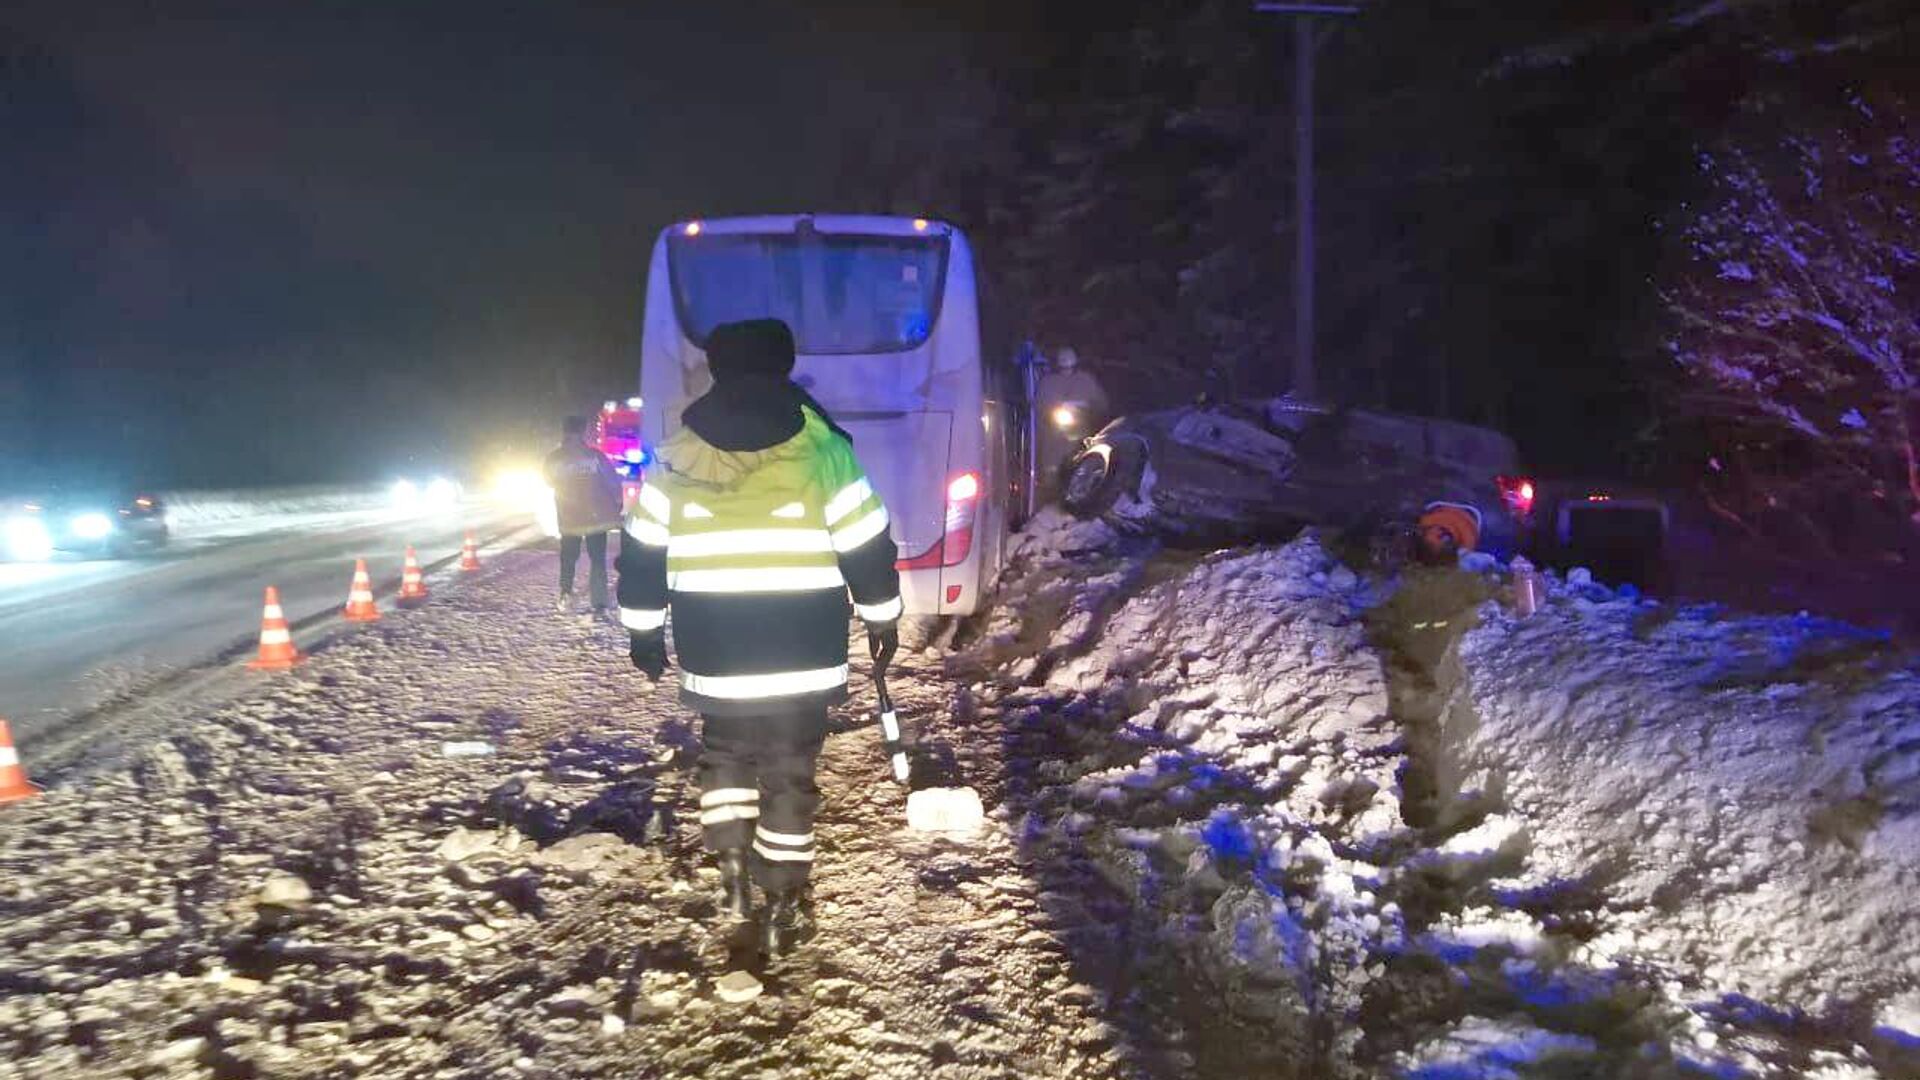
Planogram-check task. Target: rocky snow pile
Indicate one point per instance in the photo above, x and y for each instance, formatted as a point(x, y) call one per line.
point(1639, 822)
point(1744, 792)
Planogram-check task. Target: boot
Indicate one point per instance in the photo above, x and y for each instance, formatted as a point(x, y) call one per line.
point(736, 888)
point(787, 923)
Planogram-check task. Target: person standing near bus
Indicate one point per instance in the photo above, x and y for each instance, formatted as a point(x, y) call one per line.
point(586, 502)
point(1072, 406)
point(754, 526)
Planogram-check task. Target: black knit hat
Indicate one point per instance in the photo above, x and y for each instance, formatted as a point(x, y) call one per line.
point(762, 347)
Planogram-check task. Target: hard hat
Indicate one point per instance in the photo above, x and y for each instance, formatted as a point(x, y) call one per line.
point(1066, 359)
point(1457, 520)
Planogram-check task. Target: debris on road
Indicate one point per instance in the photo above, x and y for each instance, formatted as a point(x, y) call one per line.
point(736, 987)
point(952, 811)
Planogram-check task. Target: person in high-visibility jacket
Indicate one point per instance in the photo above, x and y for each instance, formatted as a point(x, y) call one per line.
point(754, 527)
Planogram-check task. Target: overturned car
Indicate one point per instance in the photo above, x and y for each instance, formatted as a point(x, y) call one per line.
point(1231, 472)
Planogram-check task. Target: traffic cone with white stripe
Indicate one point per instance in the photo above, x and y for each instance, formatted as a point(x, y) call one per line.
point(360, 605)
point(276, 640)
point(413, 587)
point(13, 779)
point(469, 555)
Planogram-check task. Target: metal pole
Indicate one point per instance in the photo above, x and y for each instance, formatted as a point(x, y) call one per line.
point(1304, 385)
point(1030, 497)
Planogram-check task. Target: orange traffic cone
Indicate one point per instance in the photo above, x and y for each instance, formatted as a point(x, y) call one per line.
point(413, 588)
point(469, 556)
point(276, 641)
point(13, 779)
point(360, 605)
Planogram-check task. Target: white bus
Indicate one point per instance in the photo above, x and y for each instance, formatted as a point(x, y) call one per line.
point(887, 327)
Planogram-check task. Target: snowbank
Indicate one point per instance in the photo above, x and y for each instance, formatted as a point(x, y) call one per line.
point(1237, 759)
point(1745, 792)
point(1643, 840)
point(212, 513)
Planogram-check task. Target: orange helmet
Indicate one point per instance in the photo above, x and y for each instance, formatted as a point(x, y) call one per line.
point(1459, 522)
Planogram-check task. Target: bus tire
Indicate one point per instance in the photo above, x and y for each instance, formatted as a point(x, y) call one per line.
point(1095, 478)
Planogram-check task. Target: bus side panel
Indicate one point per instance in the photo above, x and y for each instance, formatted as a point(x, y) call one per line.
point(673, 371)
point(903, 456)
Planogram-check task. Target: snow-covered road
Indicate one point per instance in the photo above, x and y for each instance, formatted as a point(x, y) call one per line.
point(1248, 816)
point(77, 637)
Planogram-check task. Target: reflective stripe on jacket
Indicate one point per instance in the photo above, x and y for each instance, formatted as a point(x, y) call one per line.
point(756, 552)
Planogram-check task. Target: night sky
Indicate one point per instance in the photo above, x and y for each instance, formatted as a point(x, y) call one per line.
point(318, 241)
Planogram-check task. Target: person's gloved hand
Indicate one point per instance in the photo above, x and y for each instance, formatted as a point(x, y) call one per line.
point(648, 651)
point(883, 637)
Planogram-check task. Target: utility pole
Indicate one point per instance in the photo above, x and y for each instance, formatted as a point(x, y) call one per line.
point(1305, 385)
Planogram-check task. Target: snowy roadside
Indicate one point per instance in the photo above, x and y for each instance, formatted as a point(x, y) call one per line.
point(210, 510)
point(199, 517)
point(1744, 792)
point(1235, 742)
point(299, 883)
point(1248, 816)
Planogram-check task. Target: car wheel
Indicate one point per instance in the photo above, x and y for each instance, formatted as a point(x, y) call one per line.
point(1096, 478)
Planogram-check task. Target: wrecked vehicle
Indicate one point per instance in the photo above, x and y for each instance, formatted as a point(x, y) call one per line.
point(1617, 530)
point(1261, 470)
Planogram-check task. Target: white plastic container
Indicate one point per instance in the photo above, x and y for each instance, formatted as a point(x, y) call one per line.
point(1528, 589)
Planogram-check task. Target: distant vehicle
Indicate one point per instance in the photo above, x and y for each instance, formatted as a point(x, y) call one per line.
point(432, 493)
point(1263, 469)
point(885, 318)
point(94, 524)
point(1618, 531)
point(616, 431)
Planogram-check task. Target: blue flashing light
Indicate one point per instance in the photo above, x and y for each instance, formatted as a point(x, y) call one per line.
point(636, 455)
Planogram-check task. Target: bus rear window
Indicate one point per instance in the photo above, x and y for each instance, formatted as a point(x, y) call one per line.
point(840, 294)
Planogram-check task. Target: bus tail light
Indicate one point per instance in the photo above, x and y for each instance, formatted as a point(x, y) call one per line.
point(956, 542)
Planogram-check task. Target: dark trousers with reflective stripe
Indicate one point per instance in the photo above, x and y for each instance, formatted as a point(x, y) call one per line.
point(757, 789)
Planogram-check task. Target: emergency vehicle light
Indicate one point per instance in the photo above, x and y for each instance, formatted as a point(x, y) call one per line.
point(1518, 491)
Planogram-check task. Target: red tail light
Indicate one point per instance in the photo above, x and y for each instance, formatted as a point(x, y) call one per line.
point(952, 549)
point(1518, 491)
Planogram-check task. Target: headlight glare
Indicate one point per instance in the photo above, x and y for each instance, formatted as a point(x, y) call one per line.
point(26, 539)
point(92, 526)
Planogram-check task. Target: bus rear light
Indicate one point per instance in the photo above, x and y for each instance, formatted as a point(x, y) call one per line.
point(926, 560)
point(956, 542)
point(963, 498)
point(953, 594)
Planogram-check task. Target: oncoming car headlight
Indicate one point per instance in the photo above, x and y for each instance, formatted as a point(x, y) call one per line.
point(26, 539)
point(94, 526)
point(1064, 417)
point(442, 493)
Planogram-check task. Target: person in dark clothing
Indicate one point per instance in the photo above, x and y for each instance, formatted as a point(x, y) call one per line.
point(586, 497)
point(756, 526)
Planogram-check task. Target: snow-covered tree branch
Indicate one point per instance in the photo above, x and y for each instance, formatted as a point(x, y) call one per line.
point(1795, 318)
